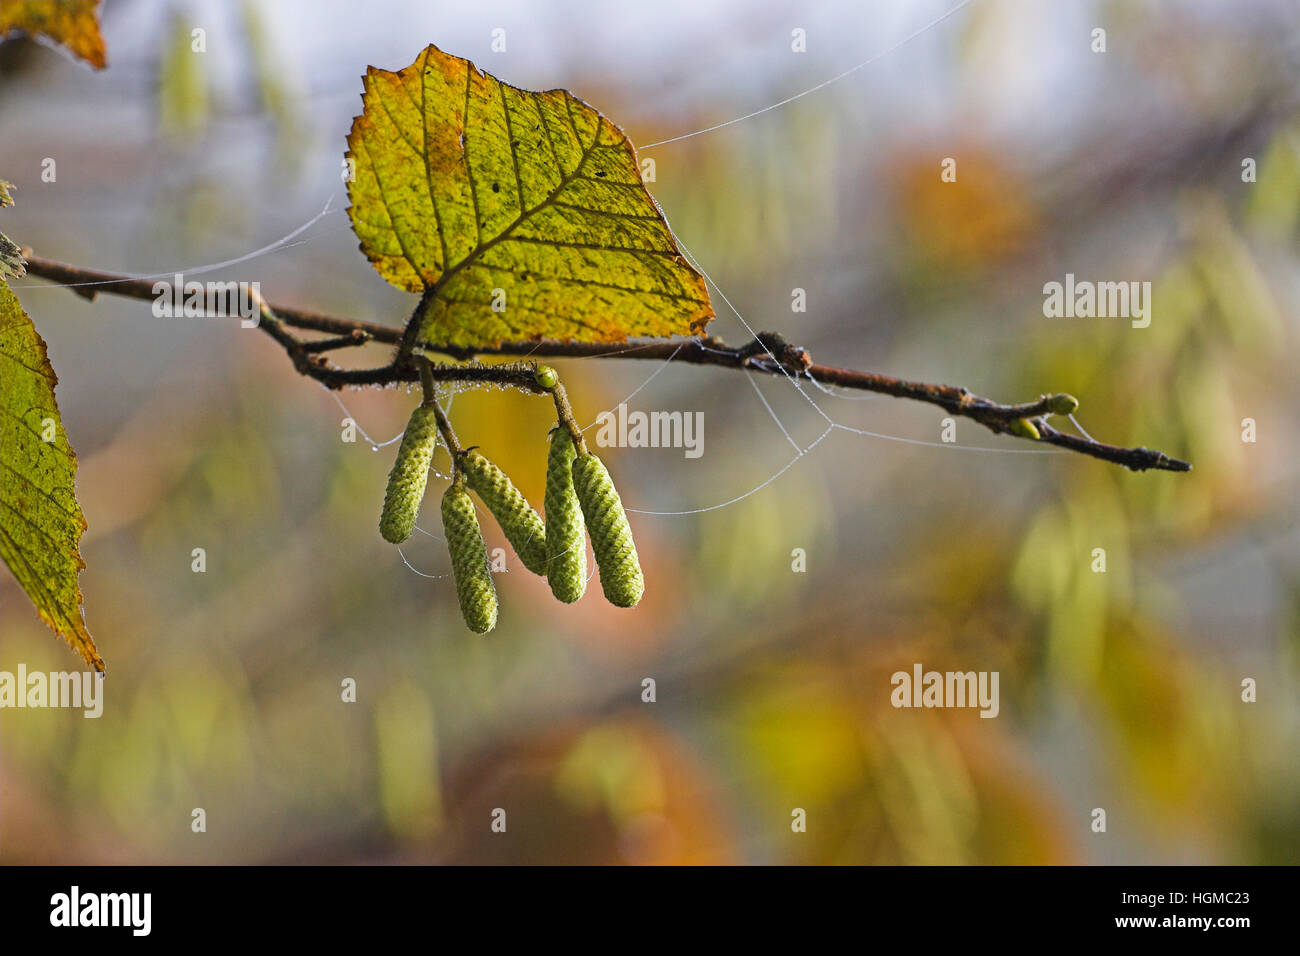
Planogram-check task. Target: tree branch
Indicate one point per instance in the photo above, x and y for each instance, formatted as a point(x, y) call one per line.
point(768, 353)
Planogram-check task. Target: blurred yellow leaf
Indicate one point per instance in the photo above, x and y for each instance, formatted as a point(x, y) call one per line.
point(977, 219)
point(182, 89)
point(72, 23)
point(406, 752)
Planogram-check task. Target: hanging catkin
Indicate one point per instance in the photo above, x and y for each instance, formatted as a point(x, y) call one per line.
point(611, 535)
point(409, 476)
point(469, 560)
point(566, 551)
point(522, 525)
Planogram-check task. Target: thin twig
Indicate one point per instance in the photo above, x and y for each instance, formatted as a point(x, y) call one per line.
point(355, 338)
point(454, 447)
point(427, 382)
point(565, 412)
point(429, 387)
point(769, 353)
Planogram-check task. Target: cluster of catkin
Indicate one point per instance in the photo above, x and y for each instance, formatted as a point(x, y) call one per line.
point(580, 500)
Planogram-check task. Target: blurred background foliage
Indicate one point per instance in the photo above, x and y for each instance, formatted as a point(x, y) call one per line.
point(1118, 690)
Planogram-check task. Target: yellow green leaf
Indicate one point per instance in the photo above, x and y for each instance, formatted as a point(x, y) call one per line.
point(72, 23)
point(12, 265)
point(40, 520)
point(519, 215)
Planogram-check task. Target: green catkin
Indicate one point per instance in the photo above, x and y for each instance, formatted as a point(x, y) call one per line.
point(469, 560)
point(566, 550)
point(409, 476)
point(522, 525)
point(611, 535)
